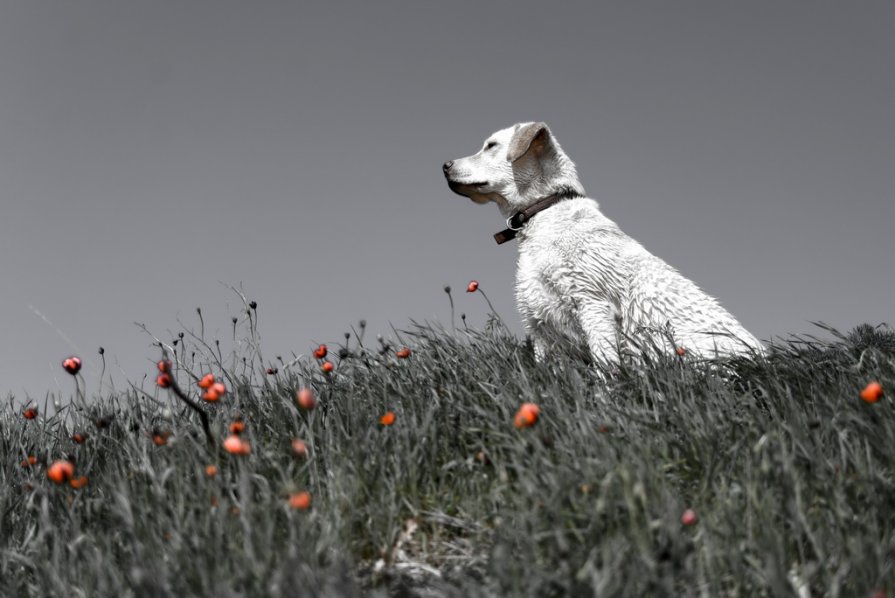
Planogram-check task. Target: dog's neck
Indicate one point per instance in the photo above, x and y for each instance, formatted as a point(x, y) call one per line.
point(523, 216)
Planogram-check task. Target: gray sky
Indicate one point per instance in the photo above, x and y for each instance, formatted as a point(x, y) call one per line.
point(153, 153)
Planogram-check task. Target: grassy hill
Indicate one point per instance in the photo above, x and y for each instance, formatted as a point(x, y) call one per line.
point(787, 472)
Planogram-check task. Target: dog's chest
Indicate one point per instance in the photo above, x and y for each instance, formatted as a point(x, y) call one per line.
point(567, 255)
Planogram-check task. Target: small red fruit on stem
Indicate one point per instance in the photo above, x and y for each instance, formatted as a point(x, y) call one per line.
point(472, 287)
point(402, 353)
point(320, 352)
point(387, 419)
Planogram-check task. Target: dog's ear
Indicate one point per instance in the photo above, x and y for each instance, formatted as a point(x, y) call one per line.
point(531, 137)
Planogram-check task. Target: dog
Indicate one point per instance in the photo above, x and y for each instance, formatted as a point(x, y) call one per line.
point(581, 283)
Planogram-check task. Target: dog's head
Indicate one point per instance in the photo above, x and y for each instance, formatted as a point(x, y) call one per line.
point(516, 167)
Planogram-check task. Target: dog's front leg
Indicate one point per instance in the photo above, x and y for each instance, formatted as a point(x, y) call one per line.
point(598, 319)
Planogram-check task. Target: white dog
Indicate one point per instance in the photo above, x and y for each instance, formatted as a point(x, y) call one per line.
point(580, 281)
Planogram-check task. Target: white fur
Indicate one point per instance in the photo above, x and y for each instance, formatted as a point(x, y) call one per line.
point(580, 281)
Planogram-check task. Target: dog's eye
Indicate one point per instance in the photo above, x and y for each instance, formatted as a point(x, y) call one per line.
point(490, 145)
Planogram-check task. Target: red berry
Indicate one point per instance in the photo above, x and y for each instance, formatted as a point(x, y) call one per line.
point(29, 413)
point(681, 351)
point(402, 353)
point(327, 366)
point(688, 517)
point(472, 287)
point(206, 381)
point(320, 352)
point(164, 366)
point(163, 380)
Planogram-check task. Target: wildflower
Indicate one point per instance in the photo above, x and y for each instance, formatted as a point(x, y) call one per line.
point(300, 501)
point(160, 437)
point(79, 438)
point(402, 353)
point(320, 352)
point(163, 380)
point(327, 366)
point(72, 365)
point(215, 392)
point(387, 419)
point(873, 392)
point(472, 287)
point(211, 470)
point(30, 413)
point(237, 446)
point(78, 483)
point(61, 471)
point(30, 461)
point(305, 399)
point(688, 517)
point(527, 415)
point(206, 381)
point(299, 448)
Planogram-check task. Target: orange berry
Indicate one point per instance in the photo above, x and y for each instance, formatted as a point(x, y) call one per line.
point(211, 470)
point(219, 388)
point(163, 380)
point(30, 413)
point(327, 366)
point(164, 366)
point(872, 392)
point(31, 460)
point(402, 353)
point(387, 419)
point(527, 415)
point(72, 365)
point(305, 398)
point(211, 395)
point(472, 287)
point(237, 427)
point(688, 517)
point(206, 381)
point(320, 352)
point(78, 483)
point(237, 446)
point(300, 501)
point(79, 438)
point(61, 471)
point(299, 448)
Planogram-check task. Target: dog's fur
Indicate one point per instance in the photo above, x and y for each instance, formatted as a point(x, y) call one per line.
point(580, 281)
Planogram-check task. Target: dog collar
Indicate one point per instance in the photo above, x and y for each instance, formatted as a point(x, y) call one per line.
point(520, 218)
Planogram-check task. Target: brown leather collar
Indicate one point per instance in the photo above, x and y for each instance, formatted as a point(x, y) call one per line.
point(517, 220)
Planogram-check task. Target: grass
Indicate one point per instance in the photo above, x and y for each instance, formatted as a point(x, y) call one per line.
point(789, 472)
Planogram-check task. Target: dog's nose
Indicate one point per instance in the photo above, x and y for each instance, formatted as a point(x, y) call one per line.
point(447, 166)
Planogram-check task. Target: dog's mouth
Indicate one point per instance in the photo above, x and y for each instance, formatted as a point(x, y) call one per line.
point(461, 187)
